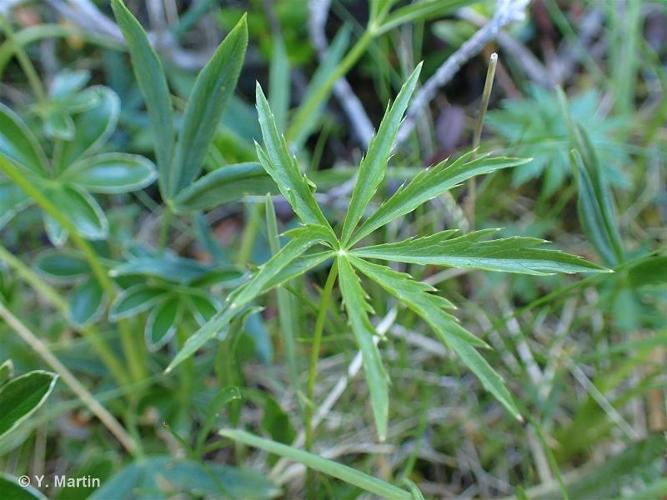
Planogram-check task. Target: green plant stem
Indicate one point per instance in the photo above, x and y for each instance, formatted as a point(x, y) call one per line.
point(71, 381)
point(186, 377)
point(24, 61)
point(132, 354)
point(325, 300)
point(167, 217)
point(471, 200)
point(105, 353)
point(250, 234)
point(308, 108)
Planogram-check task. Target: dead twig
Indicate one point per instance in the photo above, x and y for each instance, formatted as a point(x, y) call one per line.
point(507, 12)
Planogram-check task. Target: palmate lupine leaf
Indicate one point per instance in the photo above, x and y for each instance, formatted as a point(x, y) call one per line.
point(430, 183)
point(357, 307)
point(374, 165)
point(513, 255)
point(302, 239)
point(284, 169)
point(418, 297)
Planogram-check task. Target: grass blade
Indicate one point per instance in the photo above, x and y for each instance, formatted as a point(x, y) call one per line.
point(374, 165)
point(329, 467)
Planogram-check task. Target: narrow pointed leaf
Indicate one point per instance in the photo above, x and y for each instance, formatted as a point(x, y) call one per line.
point(429, 184)
point(491, 380)
point(228, 183)
point(284, 169)
point(374, 165)
point(595, 204)
point(418, 296)
point(334, 469)
point(309, 112)
point(213, 88)
point(19, 144)
point(302, 239)
point(279, 81)
point(112, 173)
point(514, 255)
point(153, 85)
point(357, 307)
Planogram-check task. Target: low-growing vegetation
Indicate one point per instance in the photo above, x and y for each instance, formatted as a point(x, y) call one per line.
point(391, 250)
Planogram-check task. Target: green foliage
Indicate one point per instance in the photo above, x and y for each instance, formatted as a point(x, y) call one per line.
point(76, 169)
point(512, 254)
point(535, 128)
point(20, 397)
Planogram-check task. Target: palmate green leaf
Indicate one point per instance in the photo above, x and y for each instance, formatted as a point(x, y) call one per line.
point(513, 255)
point(214, 86)
point(374, 165)
point(302, 239)
point(112, 173)
point(228, 183)
point(418, 296)
point(351, 476)
point(431, 183)
point(21, 396)
point(357, 307)
point(284, 169)
point(18, 144)
point(491, 380)
point(153, 85)
point(93, 127)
